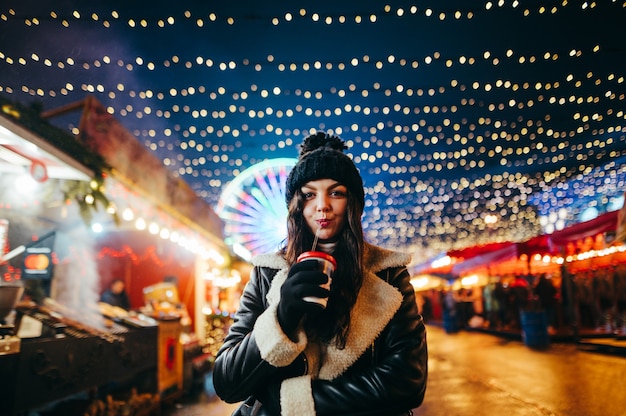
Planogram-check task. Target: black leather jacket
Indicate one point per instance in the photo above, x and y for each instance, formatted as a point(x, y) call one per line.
point(382, 370)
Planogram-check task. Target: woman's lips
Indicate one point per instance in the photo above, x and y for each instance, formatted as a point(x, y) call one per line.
point(323, 223)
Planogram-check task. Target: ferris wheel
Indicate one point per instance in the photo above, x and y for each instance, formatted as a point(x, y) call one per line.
point(253, 208)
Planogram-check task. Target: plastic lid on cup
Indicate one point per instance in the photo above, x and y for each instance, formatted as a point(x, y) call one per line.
point(317, 254)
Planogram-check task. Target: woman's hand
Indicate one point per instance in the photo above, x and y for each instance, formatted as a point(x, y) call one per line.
point(303, 280)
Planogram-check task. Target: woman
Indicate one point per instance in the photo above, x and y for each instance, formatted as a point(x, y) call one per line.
point(362, 354)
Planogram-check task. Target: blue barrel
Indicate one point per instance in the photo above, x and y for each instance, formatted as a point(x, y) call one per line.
point(535, 329)
point(450, 323)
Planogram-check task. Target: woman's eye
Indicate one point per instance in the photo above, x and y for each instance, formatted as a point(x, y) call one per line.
point(338, 193)
point(308, 195)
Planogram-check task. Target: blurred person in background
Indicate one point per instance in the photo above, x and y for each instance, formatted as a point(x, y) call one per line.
point(115, 295)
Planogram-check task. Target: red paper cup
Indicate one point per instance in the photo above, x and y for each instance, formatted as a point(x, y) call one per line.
point(326, 264)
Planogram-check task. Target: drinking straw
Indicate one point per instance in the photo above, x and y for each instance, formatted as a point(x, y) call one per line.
point(315, 239)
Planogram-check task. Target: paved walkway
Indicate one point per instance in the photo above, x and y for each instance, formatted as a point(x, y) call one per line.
point(476, 374)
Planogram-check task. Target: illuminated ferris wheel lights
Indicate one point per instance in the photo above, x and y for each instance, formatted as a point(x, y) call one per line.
point(261, 198)
point(234, 188)
point(254, 204)
point(242, 252)
point(270, 229)
point(253, 207)
point(256, 241)
point(232, 216)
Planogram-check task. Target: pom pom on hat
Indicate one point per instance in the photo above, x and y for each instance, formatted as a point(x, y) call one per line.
point(321, 157)
point(321, 140)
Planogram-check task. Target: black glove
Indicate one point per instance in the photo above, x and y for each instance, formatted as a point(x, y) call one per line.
point(304, 279)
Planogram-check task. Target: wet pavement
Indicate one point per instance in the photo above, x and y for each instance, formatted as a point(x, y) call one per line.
point(473, 373)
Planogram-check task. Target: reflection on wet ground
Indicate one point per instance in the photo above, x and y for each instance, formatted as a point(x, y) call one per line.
point(472, 373)
point(479, 374)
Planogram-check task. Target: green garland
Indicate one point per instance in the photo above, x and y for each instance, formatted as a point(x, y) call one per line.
point(89, 195)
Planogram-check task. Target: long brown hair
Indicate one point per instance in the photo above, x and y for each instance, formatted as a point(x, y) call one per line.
point(347, 280)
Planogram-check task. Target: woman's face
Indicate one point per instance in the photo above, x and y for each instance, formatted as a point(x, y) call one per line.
point(325, 206)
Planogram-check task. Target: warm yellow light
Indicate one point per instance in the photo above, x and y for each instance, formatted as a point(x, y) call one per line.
point(140, 224)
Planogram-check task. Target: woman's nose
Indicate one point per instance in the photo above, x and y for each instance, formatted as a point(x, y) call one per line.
point(322, 203)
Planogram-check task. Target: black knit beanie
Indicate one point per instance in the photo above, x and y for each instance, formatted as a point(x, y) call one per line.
point(321, 157)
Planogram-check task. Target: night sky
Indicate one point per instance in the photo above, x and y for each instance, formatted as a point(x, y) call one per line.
point(510, 109)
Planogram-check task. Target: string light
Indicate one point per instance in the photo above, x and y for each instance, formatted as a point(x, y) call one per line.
point(453, 134)
point(290, 17)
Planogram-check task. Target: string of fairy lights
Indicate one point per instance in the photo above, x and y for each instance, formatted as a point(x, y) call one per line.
point(235, 133)
point(346, 93)
point(291, 17)
point(270, 62)
point(444, 136)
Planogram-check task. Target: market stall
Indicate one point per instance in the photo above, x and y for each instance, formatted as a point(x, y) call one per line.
point(583, 263)
point(590, 244)
point(77, 213)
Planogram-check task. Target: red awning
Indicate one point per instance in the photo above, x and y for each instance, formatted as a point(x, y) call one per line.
point(495, 256)
point(536, 245)
point(474, 257)
point(491, 254)
point(474, 251)
point(600, 224)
